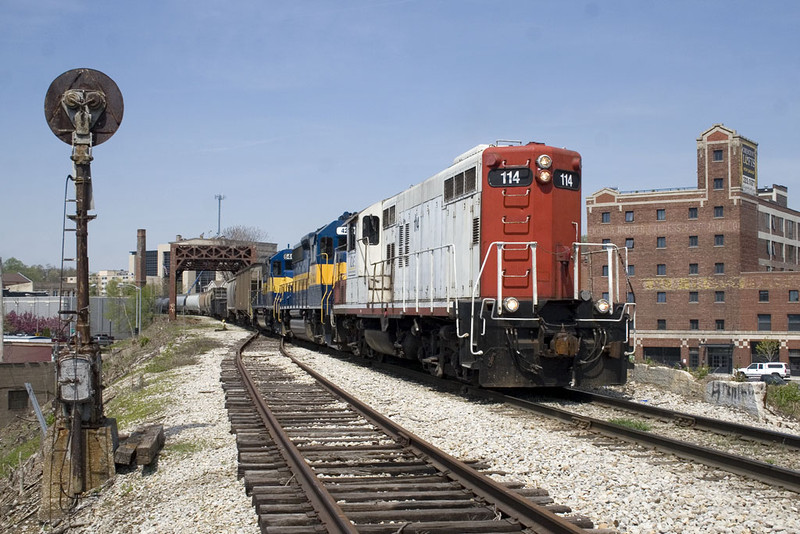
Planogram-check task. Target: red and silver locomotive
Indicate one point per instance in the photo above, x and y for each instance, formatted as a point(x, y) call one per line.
point(475, 272)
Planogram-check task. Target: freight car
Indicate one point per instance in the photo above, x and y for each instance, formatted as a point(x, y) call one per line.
point(474, 273)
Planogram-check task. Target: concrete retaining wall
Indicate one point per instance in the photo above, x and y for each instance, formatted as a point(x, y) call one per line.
point(675, 380)
point(745, 396)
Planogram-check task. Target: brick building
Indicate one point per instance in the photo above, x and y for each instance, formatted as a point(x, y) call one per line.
point(713, 269)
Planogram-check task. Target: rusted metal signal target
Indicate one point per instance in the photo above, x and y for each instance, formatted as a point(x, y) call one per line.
point(79, 90)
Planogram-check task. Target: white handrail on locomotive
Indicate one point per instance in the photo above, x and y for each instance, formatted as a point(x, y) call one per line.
point(500, 245)
point(629, 308)
point(451, 260)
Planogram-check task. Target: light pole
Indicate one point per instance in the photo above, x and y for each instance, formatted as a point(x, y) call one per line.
point(219, 198)
point(138, 306)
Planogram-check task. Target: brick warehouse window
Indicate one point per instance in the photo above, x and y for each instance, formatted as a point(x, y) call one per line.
point(661, 296)
point(628, 216)
point(719, 296)
point(661, 324)
point(718, 183)
point(628, 242)
point(719, 268)
point(694, 324)
point(719, 240)
point(605, 217)
point(763, 295)
point(605, 270)
point(661, 242)
point(692, 213)
point(661, 215)
point(18, 400)
point(793, 322)
point(717, 155)
point(661, 269)
point(764, 322)
point(694, 296)
point(719, 212)
point(720, 324)
point(693, 241)
point(794, 295)
point(631, 270)
point(693, 269)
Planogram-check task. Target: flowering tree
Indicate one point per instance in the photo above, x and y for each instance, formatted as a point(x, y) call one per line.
point(30, 324)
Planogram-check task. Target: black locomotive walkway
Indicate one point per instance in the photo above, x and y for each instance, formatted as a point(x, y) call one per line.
point(376, 483)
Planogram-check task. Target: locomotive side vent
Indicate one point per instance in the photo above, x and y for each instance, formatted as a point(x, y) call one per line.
point(476, 230)
point(460, 185)
point(388, 217)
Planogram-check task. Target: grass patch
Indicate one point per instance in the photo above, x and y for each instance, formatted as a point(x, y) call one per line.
point(23, 451)
point(139, 404)
point(185, 448)
point(785, 399)
point(180, 354)
point(631, 423)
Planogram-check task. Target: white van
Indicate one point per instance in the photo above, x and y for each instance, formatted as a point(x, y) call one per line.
point(755, 371)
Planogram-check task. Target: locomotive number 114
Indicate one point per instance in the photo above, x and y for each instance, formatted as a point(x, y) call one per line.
point(510, 177)
point(567, 180)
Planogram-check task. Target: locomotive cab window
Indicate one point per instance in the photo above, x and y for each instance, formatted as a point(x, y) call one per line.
point(297, 255)
point(370, 230)
point(277, 268)
point(326, 249)
point(351, 235)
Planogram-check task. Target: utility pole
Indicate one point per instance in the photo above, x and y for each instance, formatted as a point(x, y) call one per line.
point(83, 108)
point(219, 198)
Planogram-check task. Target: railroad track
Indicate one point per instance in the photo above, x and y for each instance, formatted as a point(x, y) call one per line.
point(683, 419)
point(754, 469)
point(315, 459)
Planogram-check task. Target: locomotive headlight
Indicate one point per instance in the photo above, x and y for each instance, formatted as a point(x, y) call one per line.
point(544, 161)
point(511, 304)
point(544, 177)
point(602, 306)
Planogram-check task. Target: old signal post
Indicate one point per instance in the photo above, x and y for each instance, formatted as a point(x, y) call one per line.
point(83, 108)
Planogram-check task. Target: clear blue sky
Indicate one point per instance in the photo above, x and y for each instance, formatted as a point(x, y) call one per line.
point(299, 110)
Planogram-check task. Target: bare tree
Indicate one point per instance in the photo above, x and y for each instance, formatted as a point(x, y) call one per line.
point(240, 232)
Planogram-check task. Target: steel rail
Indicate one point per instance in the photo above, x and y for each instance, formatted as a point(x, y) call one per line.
point(740, 465)
point(699, 421)
point(330, 514)
point(532, 516)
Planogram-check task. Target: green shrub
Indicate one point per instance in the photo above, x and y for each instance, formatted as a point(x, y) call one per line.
point(785, 399)
point(700, 372)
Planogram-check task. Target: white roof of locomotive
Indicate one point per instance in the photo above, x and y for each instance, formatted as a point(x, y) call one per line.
point(471, 152)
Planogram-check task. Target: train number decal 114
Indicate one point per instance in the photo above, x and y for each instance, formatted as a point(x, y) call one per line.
point(510, 177)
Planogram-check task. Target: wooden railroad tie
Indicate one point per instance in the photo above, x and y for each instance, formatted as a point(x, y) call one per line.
point(142, 446)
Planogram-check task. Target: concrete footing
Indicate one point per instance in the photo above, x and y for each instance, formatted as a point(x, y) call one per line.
point(59, 487)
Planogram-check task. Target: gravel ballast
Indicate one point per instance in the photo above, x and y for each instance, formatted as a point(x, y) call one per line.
point(194, 487)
